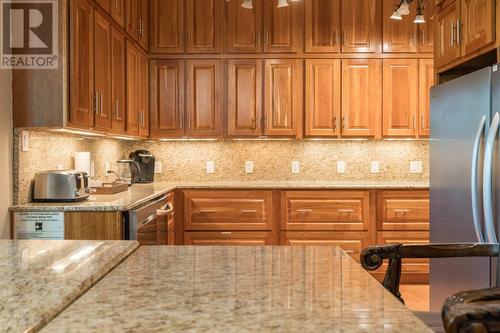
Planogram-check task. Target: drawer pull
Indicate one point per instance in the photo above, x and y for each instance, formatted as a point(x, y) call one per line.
point(206, 211)
point(226, 233)
point(347, 211)
point(402, 211)
point(304, 210)
point(248, 211)
point(349, 251)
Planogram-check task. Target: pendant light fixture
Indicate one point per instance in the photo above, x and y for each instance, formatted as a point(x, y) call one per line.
point(396, 15)
point(247, 4)
point(403, 9)
point(419, 19)
point(283, 3)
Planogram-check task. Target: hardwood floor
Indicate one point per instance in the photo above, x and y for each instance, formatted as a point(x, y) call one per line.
point(416, 296)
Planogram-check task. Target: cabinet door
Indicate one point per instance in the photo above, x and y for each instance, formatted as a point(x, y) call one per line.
point(399, 35)
point(244, 104)
point(118, 69)
point(244, 27)
point(361, 97)
point(280, 27)
point(477, 24)
point(204, 22)
point(132, 24)
point(204, 100)
point(426, 81)
point(105, 4)
point(102, 71)
point(323, 97)
point(132, 89)
point(143, 75)
point(361, 27)
point(82, 65)
point(167, 98)
point(283, 97)
point(322, 26)
point(229, 238)
point(167, 26)
point(400, 97)
point(403, 210)
point(448, 49)
point(144, 23)
point(426, 30)
point(118, 11)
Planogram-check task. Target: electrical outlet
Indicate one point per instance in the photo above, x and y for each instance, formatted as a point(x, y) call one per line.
point(25, 141)
point(340, 166)
point(295, 167)
point(375, 167)
point(249, 166)
point(416, 167)
point(210, 167)
point(158, 167)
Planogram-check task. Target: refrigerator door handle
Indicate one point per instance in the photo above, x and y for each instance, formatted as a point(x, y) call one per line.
point(476, 213)
point(488, 180)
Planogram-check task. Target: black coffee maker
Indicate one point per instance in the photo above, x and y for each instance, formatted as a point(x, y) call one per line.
point(147, 166)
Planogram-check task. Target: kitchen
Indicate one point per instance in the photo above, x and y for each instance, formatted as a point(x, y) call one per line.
point(290, 131)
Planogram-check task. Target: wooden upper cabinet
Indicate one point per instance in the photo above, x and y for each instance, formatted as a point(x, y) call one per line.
point(426, 81)
point(323, 100)
point(102, 72)
point(448, 49)
point(137, 21)
point(399, 35)
point(244, 27)
point(204, 98)
point(82, 64)
point(133, 117)
point(426, 30)
point(167, 26)
point(361, 97)
point(322, 26)
point(244, 104)
point(361, 27)
point(204, 24)
point(283, 97)
point(118, 11)
point(477, 25)
point(167, 98)
point(143, 75)
point(118, 69)
point(280, 27)
point(400, 97)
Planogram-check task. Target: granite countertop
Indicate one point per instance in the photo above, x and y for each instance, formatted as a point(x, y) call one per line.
point(237, 289)
point(137, 194)
point(38, 278)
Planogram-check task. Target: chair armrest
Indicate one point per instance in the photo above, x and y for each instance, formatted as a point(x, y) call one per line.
point(372, 257)
point(473, 311)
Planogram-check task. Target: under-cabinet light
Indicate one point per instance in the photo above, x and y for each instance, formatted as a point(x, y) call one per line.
point(78, 132)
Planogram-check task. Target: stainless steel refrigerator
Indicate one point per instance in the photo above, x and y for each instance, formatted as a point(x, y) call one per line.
point(464, 179)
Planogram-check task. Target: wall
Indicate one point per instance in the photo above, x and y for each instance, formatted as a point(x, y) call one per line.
point(6, 149)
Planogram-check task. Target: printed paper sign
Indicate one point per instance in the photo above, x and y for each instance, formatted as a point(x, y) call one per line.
point(39, 225)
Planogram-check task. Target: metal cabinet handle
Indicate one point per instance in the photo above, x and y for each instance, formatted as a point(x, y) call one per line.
point(345, 211)
point(343, 122)
point(414, 122)
point(422, 121)
point(117, 109)
point(349, 251)
point(334, 122)
point(100, 108)
point(206, 211)
point(452, 34)
point(404, 211)
point(488, 178)
point(166, 210)
point(476, 214)
point(458, 32)
point(150, 219)
point(96, 103)
point(248, 211)
point(305, 210)
point(226, 233)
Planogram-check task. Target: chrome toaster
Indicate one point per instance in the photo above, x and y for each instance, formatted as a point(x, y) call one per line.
point(60, 186)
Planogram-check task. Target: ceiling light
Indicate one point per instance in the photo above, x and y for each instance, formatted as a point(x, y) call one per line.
point(283, 3)
point(396, 15)
point(419, 19)
point(247, 4)
point(404, 8)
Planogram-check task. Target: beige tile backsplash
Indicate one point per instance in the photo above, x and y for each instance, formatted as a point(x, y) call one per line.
point(186, 161)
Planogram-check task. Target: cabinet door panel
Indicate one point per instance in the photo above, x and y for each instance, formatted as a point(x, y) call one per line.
point(204, 19)
point(132, 12)
point(399, 36)
point(361, 25)
point(118, 69)
point(400, 97)
point(403, 210)
point(361, 97)
point(143, 74)
point(167, 26)
point(426, 30)
point(204, 103)
point(244, 97)
point(82, 65)
point(244, 27)
point(477, 24)
point(283, 101)
point(102, 71)
point(132, 89)
point(322, 26)
point(323, 97)
point(229, 238)
point(167, 98)
point(448, 49)
point(118, 11)
point(280, 28)
point(426, 81)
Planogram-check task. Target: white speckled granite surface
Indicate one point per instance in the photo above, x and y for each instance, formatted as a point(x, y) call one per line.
point(237, 289)
point(38, 279)
point(140, 193)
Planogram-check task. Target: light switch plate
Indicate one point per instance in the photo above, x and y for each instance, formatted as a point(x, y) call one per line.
point(158, 167)
point(416, 167)
point(295, 167)
point(340, 166)
point(249, 166)
point(25, 139)
point(210, 167)
point(375, 167)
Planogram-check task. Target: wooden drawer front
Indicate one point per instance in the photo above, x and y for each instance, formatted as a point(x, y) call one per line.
point(351, 242)
point(404, 210)
point(228, 210)
point(246, 238)
point(339, 210)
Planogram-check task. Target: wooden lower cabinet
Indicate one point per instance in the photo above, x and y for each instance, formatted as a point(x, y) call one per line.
point(249, 238)
point(93, 225)
point(403, 211)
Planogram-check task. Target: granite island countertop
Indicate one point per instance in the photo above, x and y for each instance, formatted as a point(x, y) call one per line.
point(138, 194)
point(237, 289)
point(40, 278)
